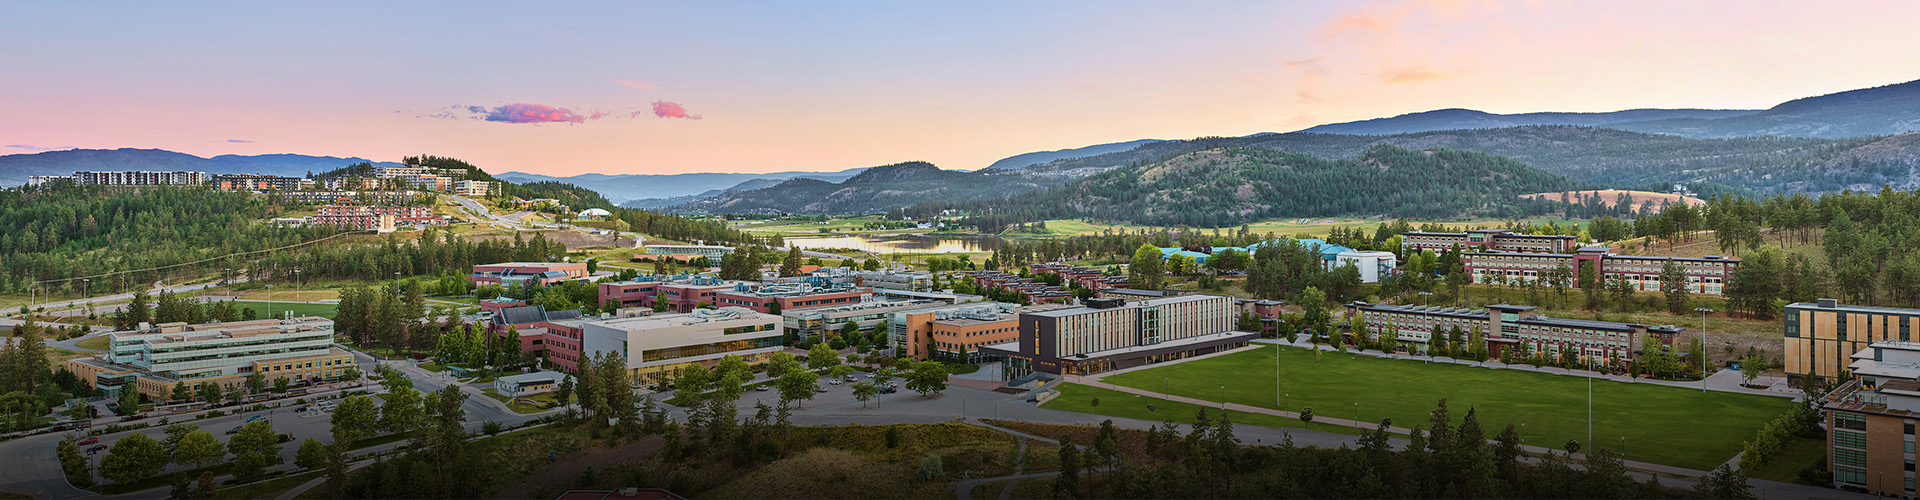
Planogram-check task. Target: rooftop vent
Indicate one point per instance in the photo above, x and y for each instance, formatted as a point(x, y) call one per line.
point(1827, 303)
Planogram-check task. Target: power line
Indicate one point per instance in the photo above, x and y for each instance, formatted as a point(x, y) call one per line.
point(227, 256)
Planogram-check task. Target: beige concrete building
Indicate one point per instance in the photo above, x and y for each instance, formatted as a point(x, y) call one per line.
point(156, 358)
point(657, 346)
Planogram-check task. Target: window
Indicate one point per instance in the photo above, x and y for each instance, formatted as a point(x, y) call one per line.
point(1909, 428)
point(1855, 458)
point(1857, 440)
point(1850, 421)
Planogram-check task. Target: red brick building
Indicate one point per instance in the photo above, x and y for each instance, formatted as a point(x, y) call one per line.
point(507, 273)
point(686, 294)
point(1498, 240)
point(1705, 275)
point(543, 333)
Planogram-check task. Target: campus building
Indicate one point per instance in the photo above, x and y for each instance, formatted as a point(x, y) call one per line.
point(1822, 335)
point(656, 346)
point(1520, 329)
point(543, 333)
point(153, 359)
point(1088, 278)
point(682, 293)
point(256, 182)
point(946, 331)
point(528, 384)
point(1497, 240)
point(714, 253)
point(124, 178)
point(819, 323)
point(1705, 275)
point(916, 281)
point(512, 273)
point(1109, 334)
point(1035, 290)
point(1870, 420)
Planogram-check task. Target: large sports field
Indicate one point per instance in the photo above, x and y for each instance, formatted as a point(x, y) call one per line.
point(1661, 424)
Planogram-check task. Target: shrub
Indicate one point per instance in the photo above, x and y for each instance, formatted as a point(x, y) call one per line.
point(930, 468)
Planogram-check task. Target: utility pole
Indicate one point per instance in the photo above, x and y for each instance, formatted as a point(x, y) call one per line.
point(1703, 347)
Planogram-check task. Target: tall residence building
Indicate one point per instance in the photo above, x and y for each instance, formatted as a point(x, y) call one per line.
point(946, 331)
point(512, 273)
point(1509, 327)
point(1497, 240)
point(1705, 275)
point(1870, 420)
point(1821, 335)
point(1109, 334)
point(376, 217)
point(125, 178)
point(472, 188)
point(255, 182)
point(153, 359)
point(657, 346)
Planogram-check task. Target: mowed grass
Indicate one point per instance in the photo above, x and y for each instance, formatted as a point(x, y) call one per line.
point(1661, 424)
point(1079, 398)
point(279, 308)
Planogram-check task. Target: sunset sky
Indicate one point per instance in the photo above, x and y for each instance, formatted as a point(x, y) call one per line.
point(776, 86)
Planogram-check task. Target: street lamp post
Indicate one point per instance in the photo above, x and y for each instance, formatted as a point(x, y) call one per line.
point(296, 285)
point(226, 277)
point(269, 301)
point(1703, 347)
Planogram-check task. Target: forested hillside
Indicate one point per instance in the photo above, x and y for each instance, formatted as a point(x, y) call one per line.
point(1230, 186)
point(877, 189)
point(1609, 157)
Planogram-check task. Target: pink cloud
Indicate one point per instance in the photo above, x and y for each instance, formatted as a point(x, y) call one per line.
point(1413, 75)
point(533, 113)
point(239, 141)
point(30, 147)
point(670, 109)
point(642, 85)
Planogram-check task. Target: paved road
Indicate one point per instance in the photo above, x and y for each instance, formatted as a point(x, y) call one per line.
point(70, 304)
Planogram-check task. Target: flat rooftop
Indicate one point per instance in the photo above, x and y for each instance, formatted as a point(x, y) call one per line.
point(1071, 311)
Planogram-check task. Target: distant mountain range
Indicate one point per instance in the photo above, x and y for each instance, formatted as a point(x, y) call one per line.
point(876, 189)
point(14, 169)
point(1025, 160)
point(1457, 119)
point(624, 187)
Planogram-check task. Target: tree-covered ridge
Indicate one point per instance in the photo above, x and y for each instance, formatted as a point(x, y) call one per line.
point(63, 231)
point(1617, 158)
point(1229, 186)
point(878, 189)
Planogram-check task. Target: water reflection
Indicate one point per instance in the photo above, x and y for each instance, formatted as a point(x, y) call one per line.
point(902, 244)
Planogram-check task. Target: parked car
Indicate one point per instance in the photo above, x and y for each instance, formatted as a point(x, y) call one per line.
point(763, 388)
point(96, 449)
point(889, 389)
point(300, 408)
point(833, 381)
point(255, 417)
point(88, 441)
point(820, 389)
point(235, 430)
point(133, 417)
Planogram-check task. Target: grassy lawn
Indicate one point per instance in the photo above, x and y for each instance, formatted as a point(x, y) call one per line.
point(1076, 397)
point(97, 343)
point(433, 367)
point(518, 406)
point(266, 489)
point(1660, 424)
point(158, 481)
point(260, 308)
point(1799, 453)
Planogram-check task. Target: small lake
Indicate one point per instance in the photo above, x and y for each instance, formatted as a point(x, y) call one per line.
point(902, 244)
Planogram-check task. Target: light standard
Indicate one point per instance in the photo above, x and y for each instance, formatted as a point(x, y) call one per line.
point(296, 285)
point(269, 301)
point(86, 286)
point(226, 277)
point(1703, 346)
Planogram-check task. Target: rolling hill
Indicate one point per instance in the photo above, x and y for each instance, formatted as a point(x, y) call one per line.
point(1025, 160)
point(623, 187)
point(876, 189)
point(1886, 110)
point(1457, 119)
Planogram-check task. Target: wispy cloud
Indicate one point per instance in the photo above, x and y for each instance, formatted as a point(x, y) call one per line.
point(670, 109)
point(1412, 75)
point(639, 84)
point(239, 141)
point(533, 113)
point(30, 147)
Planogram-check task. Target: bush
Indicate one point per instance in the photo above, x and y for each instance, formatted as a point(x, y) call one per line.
point(491, 427)
point(930, 468)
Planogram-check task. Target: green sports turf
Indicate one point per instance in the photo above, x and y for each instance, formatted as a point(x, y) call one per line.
point(1661, 424)
point(1076, 397)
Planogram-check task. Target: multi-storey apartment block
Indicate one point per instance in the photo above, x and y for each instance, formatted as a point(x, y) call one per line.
point(1822, 335)
point(1705, 275)
point(1509, 327)
point(1870, 420)
point(253, 182)
point(364, 197)
point(125, 178)
point(366, 217)
point(1498, 240)
point(1108, 335)
point(153, 359)
point(472, 188)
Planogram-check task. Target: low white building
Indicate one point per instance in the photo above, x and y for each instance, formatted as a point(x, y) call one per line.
point(657, 346)
point(528, 384)
point(1373, 265)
